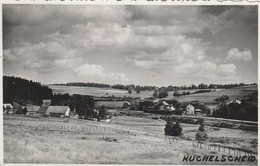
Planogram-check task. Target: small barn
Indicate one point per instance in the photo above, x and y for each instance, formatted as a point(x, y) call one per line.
point(58, 111)
point(189, 109)
point(32, 109)
point(43, 109)
point(8, 108)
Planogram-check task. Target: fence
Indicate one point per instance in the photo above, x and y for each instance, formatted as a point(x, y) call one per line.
point(223, 149)
point(213, 147)
point(65, 127)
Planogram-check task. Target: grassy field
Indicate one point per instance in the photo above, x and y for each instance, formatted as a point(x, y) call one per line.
point(98, 92)
point(126, 140)
point(201, 97)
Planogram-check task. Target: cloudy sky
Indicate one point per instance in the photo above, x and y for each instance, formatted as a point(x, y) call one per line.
point(145, 45)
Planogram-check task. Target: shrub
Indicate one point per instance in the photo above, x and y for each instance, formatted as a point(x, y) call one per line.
point(201, 136)
point(172, 129)
point(200, 121)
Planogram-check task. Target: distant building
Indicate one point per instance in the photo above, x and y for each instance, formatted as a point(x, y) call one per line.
point(32, 109)
point(162, 106)
point(43, 109)
point(58, 111)
point(8, 108)
point(18, 109)
point(235, 101)
point(198, 111)
point(189, 109)
point(46, 102)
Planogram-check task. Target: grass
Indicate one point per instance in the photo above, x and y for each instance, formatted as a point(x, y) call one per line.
point(34, 144)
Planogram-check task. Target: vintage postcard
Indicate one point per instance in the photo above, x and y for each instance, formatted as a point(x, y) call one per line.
point(127, 84)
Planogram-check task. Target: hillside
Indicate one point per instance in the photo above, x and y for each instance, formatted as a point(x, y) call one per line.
point(233, 93)
point(22, 90)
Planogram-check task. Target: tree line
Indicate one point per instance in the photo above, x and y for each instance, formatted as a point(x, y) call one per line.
point(139, 88)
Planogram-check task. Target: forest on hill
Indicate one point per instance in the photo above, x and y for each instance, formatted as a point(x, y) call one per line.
point(24, 91)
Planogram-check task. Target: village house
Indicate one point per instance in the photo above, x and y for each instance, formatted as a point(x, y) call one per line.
point(18, 109)
point(190, 109)
point(32, 109)
point(58, 111)
point(8, 108)
point(43, 109)
point(162, 106)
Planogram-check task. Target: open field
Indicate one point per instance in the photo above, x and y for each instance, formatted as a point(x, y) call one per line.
point(126, 140)
point(201, 97)
point(98, 92)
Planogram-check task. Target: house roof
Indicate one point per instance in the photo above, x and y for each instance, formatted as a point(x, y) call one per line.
point(236, 101)
point(43, 109)
point(32, 108)
point(7, 106)
point(162, 102)
point(57, 109)
point(197, 110)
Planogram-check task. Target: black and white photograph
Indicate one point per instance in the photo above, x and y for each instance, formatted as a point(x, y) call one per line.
point(130, 84)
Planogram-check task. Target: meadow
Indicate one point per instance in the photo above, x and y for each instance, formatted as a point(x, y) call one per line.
point(126, 140)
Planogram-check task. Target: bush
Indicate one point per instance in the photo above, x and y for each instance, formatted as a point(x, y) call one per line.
point(201, 136)
point(200, 121)
point(172, 129)
point(201, 128)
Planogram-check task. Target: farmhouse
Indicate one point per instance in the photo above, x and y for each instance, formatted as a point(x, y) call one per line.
point(189, 109)
point(32, 109)
point(43, 109)
point(8, 108)
point(58, 111)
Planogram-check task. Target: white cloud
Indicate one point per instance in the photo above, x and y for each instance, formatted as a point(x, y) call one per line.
point(227, 69)
point(235, 55)
point(99, 73)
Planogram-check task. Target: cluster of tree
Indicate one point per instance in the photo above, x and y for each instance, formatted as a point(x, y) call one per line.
point(88, 84)
point(247, 110)
point(201, 135)
point(171, 128)
point(82, 104)
point(222, 98)
point(203, 91)
point(177, 94)
point(23, 91)
point(160, 93)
